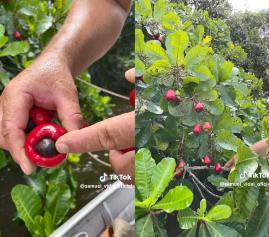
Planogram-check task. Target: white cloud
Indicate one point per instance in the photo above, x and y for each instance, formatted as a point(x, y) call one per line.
point(249, 5)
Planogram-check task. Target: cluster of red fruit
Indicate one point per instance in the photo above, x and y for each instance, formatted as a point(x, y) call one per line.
point(170, 95)
point(207, 161)
point(198, 128)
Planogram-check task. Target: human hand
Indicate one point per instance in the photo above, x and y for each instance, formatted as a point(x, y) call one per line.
point(230, 163)
point(260, 148)
point(113, 134)
point(47, 83)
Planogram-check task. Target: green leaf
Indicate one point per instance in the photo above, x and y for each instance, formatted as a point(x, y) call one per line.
point(159, 9)
point(245, 166)
point(215, 107)
point(43, 24)
point(15, 48)
point(73, 158)
point(189, 79)
point(176, 43)
point(217, 180)
point(219, 212)
point(203, 231)
point(187, 219)
point(159, 67)
point(186, 25)
point(159, 226)
point(4, 77)
point(202, 209)
point(226, 71)
point(39, 229)
point(233, 124)
point(144, 165)
point(227, 140)
point(139, 41)
point(162, 174)
point(142, 135)
point(219, 230)
point(210, 95)
point(143, 8)
point(258, 224)
point(139, 68)
point(246, 200)
point(2, 29)
point(199, 32)
point(154, 51)
point(203, 73)
point(3, 40)
point(176, 199)
point(144, 227)
point(27, 10)
point(58, 176)
point(196, 55)
point(185, 111)
point(152, 107)
point(58, 200)
point(170, 21)
point(4, 159)
point(189, 233)
point(28, 204)
point(38, 183)
point(48, 223)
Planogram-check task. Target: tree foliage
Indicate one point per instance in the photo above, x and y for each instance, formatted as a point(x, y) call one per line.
point(176, 52)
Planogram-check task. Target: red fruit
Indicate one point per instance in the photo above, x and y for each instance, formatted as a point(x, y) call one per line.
point(197, 129)
point(199, 107)
point(41, 138)
point(17, 35)
point(39, 115)
point(180, 169)
point(218, 168)
point(170, 95)
point(127, 149)
point(207, 161)
point(132, 98)
point(207, 126)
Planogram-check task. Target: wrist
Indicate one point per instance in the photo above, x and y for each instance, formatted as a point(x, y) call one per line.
point(51, 63)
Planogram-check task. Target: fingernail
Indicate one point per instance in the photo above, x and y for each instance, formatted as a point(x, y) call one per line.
point(25, 169)
point(62, 148)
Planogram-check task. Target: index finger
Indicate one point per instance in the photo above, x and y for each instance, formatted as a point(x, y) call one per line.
point(130, 75)
point(113, 133)
point(16, 107)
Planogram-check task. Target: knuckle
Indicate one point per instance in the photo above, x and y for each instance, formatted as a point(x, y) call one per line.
point(106, 139)
point(7, 127)
point(65, 86)
point(76, 116)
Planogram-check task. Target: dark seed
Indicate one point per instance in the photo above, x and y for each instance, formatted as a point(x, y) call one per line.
point(30, 126)
point(46, 147)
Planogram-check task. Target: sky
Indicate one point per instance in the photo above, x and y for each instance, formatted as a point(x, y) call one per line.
point(249, 5)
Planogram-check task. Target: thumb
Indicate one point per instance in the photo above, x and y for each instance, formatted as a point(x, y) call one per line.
point(113, 133)
point(68, 110)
